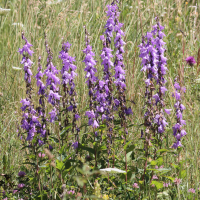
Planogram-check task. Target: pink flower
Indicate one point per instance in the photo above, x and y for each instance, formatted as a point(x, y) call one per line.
point(71, 192)
point(155, 177)
point(177, 181)
point(191, 190)
point(135, 185)
point(41, 155)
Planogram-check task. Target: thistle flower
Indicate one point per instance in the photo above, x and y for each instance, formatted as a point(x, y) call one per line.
point(21, 174)
point(178, 130)
point(190, 61)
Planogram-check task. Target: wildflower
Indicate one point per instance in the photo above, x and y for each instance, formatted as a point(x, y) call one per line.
point(178, 130)
point(155, 177)
point(21, 174)
point(135, 185)
point(191, 190)
point(21, 185)
point(15, 191)
point(190, 60)
point(52, 83)
point(41, 155)
point(106, 197)
point(91, 80)
point(177, 181)
point(71, 192)
point(75, 145)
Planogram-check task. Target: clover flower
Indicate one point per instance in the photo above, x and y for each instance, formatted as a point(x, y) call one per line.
point(178, 130)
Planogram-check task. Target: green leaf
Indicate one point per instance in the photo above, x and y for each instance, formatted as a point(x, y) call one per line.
point(87, 149)
point(62, 133)
point(130, 148)
point(80, 180)
point(162, 150)
point(183, 174)
point(59, 165)
point(67, 165)
point(158, 184)
point(28, 163)
point(175, 166)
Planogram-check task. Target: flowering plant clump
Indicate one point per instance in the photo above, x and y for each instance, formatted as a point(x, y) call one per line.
point(96, 150)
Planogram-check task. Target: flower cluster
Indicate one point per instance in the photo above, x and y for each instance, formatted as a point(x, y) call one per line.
point(52, 83)
point(41, 129)
point(178, 130)
point(91, 80)
point(29, 121)
point(68, 75)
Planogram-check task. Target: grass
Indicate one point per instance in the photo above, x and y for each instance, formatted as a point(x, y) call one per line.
point(66, 20)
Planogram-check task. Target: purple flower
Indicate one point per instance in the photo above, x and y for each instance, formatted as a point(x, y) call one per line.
point(178, 130)
point(21, 174)
point(190, 60)
point(75, 145)
point(21, 185)
point(52, 83)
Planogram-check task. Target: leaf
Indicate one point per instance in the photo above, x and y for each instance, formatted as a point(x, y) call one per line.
point(183, 174)
point(126, 145)
point(62, 133)
point(59, 165)
point(87, 149)
point(162, 150)
point(158, 184)
point(28, 163)
point(175, 166)
point(80, 180)
point(67, 165)
point(130, 148)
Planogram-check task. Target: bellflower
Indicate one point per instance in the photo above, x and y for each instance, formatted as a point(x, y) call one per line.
point(29, 120)
point(178, 130)
point(161, 67)
point(68, 75)
point(91, 80)
point(52, 83)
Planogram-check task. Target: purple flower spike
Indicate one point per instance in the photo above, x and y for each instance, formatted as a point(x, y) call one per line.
point(178, 130)
point(190, 60)
point(52, 83)
point(69, 98)
point(29, 120)
point(91, 81)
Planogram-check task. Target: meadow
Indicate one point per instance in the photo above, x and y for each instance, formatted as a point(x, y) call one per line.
point(83, 170)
